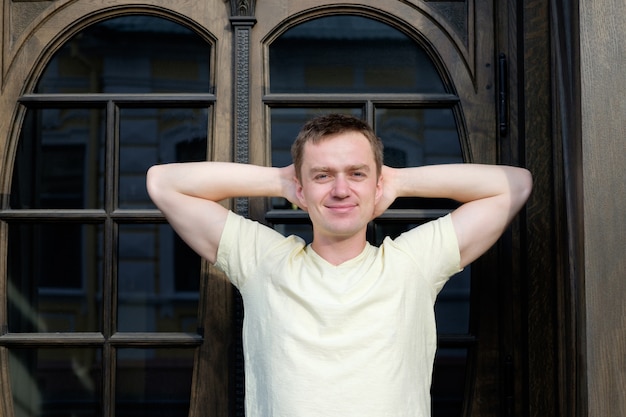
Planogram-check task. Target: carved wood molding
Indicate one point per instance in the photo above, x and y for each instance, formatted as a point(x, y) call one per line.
point(242, 19)
point(242, 8)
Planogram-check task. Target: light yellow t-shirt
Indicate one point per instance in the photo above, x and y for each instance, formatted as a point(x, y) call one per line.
point(356, 339)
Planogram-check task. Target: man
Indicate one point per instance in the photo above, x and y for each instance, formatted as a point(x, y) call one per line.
point(338, 327)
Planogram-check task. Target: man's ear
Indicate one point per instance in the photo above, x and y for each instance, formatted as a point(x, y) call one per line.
point(379, 189)
point(300, 195)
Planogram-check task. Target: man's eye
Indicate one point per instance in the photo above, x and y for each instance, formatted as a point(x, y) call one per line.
point(320, 177)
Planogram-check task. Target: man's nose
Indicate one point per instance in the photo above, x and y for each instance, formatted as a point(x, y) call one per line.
point(341, 188)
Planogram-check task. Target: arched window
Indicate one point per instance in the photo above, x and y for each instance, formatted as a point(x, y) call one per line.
point(92, 266)
point(370, 69)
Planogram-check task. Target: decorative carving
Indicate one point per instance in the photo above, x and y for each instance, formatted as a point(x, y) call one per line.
point(455, 12)
point(242, 7)
point(242, 103)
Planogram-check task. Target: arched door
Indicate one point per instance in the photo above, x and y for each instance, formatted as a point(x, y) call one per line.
point(420, 87)
point(97, 291)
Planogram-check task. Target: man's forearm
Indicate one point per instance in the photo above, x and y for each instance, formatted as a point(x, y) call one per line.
point(218, 180)
point(461, 182)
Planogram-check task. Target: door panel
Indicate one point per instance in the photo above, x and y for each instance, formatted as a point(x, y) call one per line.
point(425, 81)
point(427, 109)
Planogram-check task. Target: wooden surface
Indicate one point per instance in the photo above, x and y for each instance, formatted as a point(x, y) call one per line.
point(603, 83)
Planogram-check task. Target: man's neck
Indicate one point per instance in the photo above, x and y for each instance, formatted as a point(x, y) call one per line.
point(337, 251)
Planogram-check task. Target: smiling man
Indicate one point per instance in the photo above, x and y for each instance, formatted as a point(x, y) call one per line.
point(338, 327)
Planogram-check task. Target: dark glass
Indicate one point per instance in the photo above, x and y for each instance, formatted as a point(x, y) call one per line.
point(358, 55)
point(350, 54)
point(54, 277)
point(418, 136)
point(56, 382)
point(158, 280)
point(153, 382)
point(130, 54)
point(448, 387)
point(156, 135)
point(415, 137)
point(59, 161)
point(452, 310)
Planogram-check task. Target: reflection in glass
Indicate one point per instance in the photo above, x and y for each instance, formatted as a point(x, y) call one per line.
point(452, 310)
point(418, 136)
point(156, 135)
point(59, 160)
point(54, 275)
point(56, 382)
point(130, 54)
point(158, 280)
point(350, 54)
point(153, 382)
point(448, 387)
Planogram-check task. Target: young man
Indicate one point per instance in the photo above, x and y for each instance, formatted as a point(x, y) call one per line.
point(338, 327)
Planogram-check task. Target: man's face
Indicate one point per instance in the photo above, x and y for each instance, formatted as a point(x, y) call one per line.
point(339, 186)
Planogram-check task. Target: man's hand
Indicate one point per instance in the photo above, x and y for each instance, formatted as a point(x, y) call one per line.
point(389, 195)
point(289, 184)
point(491, 196)
point(188, 194)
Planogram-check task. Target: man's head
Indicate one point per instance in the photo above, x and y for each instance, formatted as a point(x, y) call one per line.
point(326, 126)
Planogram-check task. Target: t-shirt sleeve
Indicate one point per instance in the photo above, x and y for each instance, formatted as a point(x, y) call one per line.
point(435, 250)
point(244, 243)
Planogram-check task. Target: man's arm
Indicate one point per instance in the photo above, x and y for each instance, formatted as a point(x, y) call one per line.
point(491, 196)
point(188, 195)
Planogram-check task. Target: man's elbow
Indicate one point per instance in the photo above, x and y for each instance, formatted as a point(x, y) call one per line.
point(527, 183)
point(522, 186)
point(154, 182)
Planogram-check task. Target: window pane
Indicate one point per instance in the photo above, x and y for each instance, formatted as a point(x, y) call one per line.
point(130, 54)
point(350, 54)
point(151, 136)
point(56, 382)
point(452, 310)
point(448, 388)
point(59, 160)
point(54, 275)
point(153, 382)
point(418, 136)
point(158, 280)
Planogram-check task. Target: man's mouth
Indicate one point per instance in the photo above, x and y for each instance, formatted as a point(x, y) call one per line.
point(341, 208)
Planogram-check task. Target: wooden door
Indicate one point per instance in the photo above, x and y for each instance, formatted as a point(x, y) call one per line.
point(423, 73)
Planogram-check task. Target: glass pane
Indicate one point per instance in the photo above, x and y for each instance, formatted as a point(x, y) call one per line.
point(56, 382)
point(158, 280)
point(54, 276)
point(130, 54)
point(59, 160)
point(448, 387)
point(350, 54)
point(418, 136)
point(452, 309)
point(151, 136)
point(153, 382)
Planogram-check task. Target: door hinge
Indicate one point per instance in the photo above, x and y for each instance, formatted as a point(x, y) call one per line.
point(503, 105)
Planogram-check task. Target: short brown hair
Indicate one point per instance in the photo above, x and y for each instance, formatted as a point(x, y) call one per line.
point(319, 128)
